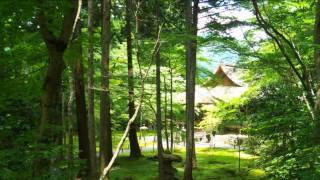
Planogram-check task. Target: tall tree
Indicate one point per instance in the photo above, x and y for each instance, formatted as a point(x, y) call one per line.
point(50, 100)
point(134, 144)
point(81, 111)
point(171, 107)
point(165, 112)
point(191, 53)
point(158, 97)
point(317, 65)
point(91, 116)
point(70, 129)
point(105, 118)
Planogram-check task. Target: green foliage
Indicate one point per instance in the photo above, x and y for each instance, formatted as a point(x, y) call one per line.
point(281, 124)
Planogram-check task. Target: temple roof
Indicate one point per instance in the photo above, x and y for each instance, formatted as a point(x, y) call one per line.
point(232, 73)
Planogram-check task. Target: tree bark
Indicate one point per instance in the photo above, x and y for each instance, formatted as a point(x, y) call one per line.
point(165, 112)
point(191, 52)
point(91, 115)
point(105, 118)
point(158, 101)
point(133, 139)
point(81, 112)
point(171, 107)
point(50, 122)
point(158, 115)
point(70, 130)
point(317, 65)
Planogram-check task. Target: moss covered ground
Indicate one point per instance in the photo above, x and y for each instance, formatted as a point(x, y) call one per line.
point(211, 164)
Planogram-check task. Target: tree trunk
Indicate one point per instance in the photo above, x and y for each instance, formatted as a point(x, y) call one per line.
point(158, 116)
point(134, 144)
point(191, 51)
point(158, 100)
point(50, 99)
point(91, 117)
point(165, 112)
point(64, 126)
point(105, 118)
point(51, 123)
point(171, 108)
point(81, 112)
point(317, 65)
point(70, 130)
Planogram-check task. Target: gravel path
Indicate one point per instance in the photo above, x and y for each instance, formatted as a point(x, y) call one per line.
point(219, 141)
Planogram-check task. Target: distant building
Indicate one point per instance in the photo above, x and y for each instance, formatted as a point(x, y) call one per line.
point(227, 85)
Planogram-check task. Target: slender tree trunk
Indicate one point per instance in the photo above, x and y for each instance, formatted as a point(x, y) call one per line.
point(63, 118)
point(165, 112)
point(81, 112)
point(137, 34)
point(191, 51)
point(158, 94)
point(171, 108)
point(134, 144)
point(91, 116)
point(194, 157)
point(105, 118)
point(158, 115)
point(317, 65)
point(70, 130)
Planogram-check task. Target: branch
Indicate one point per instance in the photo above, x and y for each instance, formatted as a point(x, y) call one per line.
point(71, 16)
point(47, 35)
point(150, 105)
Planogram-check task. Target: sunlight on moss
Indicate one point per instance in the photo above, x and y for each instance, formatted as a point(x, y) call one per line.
point(211, 164)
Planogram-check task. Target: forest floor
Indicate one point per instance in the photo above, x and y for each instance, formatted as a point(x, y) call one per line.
point(212, 164)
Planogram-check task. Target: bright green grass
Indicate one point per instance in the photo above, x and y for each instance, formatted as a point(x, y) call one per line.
point(211, 164)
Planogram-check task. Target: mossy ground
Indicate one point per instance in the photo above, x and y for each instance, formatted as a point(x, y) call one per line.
point(211, 164)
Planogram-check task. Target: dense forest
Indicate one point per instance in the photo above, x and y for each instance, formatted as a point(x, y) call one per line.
point(159, 89)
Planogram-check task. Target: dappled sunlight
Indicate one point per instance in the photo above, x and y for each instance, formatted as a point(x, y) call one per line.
point(211, 164)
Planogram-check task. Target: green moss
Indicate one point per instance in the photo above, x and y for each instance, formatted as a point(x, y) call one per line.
point(211, 164)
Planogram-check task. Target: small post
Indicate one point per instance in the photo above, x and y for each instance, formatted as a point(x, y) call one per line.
point(239, 150)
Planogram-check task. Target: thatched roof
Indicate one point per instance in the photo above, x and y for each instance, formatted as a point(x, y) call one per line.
point(231, 87)
point(232, 73)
